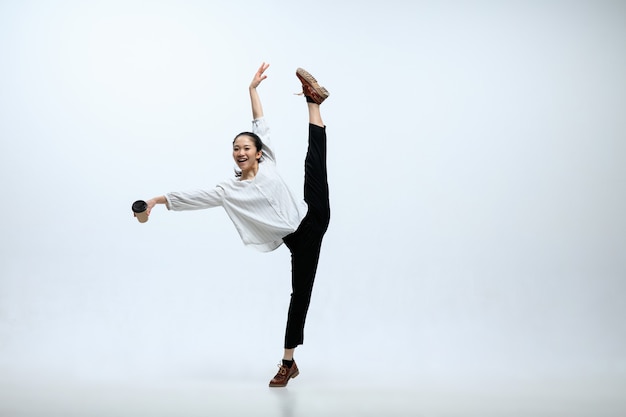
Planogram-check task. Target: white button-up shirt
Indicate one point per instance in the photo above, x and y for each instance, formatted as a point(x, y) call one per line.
point(263, 209)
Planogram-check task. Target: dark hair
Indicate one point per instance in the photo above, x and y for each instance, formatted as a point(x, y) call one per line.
point(258, 143)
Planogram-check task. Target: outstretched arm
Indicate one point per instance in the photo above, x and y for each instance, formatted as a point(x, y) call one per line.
point(255, 100)
point(154, 201)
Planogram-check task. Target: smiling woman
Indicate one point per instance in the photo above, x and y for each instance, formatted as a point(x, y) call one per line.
point(247, 153)
point(264, 211)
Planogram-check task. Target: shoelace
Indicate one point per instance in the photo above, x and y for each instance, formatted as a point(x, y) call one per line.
point(282, 370)
point(305, 89)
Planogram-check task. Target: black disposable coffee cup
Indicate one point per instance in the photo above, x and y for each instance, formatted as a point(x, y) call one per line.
point(139, 208)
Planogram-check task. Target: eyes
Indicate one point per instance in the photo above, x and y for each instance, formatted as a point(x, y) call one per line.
point(245, 148)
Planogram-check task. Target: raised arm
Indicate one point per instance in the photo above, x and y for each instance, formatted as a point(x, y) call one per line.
point(255, 100)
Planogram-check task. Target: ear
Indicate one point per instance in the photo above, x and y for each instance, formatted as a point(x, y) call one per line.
point(259, 154)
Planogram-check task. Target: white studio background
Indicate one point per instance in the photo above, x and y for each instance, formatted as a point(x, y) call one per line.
point(476, 168)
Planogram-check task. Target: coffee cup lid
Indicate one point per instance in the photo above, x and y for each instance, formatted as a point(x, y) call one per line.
point(140, 206)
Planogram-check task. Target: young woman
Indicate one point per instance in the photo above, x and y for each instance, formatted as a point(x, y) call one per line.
point(264, 210)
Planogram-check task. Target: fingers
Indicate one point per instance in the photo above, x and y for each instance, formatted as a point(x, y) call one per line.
point(259, 76)
point(151, 204)
point(262, 68)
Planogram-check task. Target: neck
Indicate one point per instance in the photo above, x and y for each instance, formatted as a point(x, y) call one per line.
point(249, 174)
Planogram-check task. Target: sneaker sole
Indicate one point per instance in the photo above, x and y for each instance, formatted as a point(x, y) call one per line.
point(319, 93)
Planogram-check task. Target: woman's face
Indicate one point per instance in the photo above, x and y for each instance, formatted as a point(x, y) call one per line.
point(245, 154)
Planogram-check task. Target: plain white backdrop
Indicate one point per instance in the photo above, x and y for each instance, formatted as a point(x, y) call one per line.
point(478, 189)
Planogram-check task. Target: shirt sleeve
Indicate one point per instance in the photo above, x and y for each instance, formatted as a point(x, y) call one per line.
point(195, 200)
point(261, 128)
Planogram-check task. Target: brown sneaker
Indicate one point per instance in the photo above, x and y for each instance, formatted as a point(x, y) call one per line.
point(284, 375)
point(310, 87)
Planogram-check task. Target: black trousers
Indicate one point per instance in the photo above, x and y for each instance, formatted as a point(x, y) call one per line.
point(305, 243)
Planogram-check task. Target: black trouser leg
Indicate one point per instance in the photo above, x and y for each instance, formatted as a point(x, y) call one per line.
point(305, 243)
